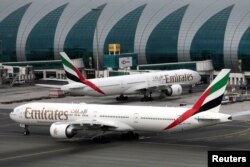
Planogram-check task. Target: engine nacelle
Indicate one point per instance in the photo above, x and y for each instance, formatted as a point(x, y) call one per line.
point(62, 131)
point(173, 90)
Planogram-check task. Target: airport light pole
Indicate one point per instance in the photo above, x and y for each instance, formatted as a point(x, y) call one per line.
point(96, 10)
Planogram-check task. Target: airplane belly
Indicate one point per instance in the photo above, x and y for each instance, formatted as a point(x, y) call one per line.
point(151, 125)
point(108, 91)
point(185, 126)
point(91, 92)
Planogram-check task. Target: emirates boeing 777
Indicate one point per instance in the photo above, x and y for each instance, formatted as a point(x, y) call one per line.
point(165, 82)
point(66, 120)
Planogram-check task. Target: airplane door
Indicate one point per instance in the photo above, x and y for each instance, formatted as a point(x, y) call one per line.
point(136, 118)
point(94, 116)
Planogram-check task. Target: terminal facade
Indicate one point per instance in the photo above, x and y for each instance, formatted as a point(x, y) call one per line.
point(158, 31)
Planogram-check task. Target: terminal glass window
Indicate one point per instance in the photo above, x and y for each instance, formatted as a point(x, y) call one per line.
point(40, 42)
point(8, 34)
point(162, 42)
point(244, 51)
point(123, 32)
point(208, 42)
point(79, 41)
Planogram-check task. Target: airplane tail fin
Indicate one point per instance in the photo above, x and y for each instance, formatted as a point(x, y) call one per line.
point(72, 73)
point(211, 98)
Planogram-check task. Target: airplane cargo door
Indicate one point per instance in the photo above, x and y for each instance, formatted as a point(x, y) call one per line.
point(136, 118)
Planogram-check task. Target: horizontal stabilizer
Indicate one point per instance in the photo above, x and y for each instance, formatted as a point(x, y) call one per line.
point(207, 118)
point(49, 86)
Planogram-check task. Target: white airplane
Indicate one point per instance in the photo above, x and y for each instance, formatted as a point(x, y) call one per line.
point(65, 120)
point(166, 82)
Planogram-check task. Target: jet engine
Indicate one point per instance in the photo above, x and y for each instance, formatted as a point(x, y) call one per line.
point(62, 131)
point(173, 90)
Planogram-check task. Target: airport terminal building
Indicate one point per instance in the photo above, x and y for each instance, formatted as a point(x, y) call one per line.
point(158, 31)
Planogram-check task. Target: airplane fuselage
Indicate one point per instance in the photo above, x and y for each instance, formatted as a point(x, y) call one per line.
point(126, 118)
point(131, 84)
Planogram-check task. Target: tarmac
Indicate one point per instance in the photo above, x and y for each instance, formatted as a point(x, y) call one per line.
point(180, 149)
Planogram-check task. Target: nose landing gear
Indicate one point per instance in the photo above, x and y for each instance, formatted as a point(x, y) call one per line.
point(26, 130)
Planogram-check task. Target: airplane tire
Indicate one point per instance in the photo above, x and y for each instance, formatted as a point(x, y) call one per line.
point(101, 139)
point(136, 136)
point(26, 132)
point(130, 136)
point(146, 99)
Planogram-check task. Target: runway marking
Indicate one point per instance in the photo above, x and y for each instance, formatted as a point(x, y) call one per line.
point(188, 145)
point(217, 136)
point(34, 154)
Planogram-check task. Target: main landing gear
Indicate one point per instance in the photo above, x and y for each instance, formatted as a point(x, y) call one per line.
point(122, 98)
point(130, 136)
point(26, 131)
point(190, 89)
point(147, 96)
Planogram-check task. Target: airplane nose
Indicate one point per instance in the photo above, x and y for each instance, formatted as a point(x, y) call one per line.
point(11, 115)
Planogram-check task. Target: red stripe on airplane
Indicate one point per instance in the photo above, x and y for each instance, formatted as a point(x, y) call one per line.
point(87, 82)
point(189, 112)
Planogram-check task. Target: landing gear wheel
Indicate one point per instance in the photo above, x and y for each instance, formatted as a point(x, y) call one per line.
point(122, 98)
point(130, 136)
point(136, 136)
point(101, 139)
point(26, 132)
point(146, 98)
point(190, 90)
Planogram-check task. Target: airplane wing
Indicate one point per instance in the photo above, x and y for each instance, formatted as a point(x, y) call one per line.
point(101, 124)
point(49, 85)
point(207, 118)
point(54, 79)
point(72, 86)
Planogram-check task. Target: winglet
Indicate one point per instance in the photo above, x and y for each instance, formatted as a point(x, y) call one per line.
point(74, 75)
point(210, 100)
